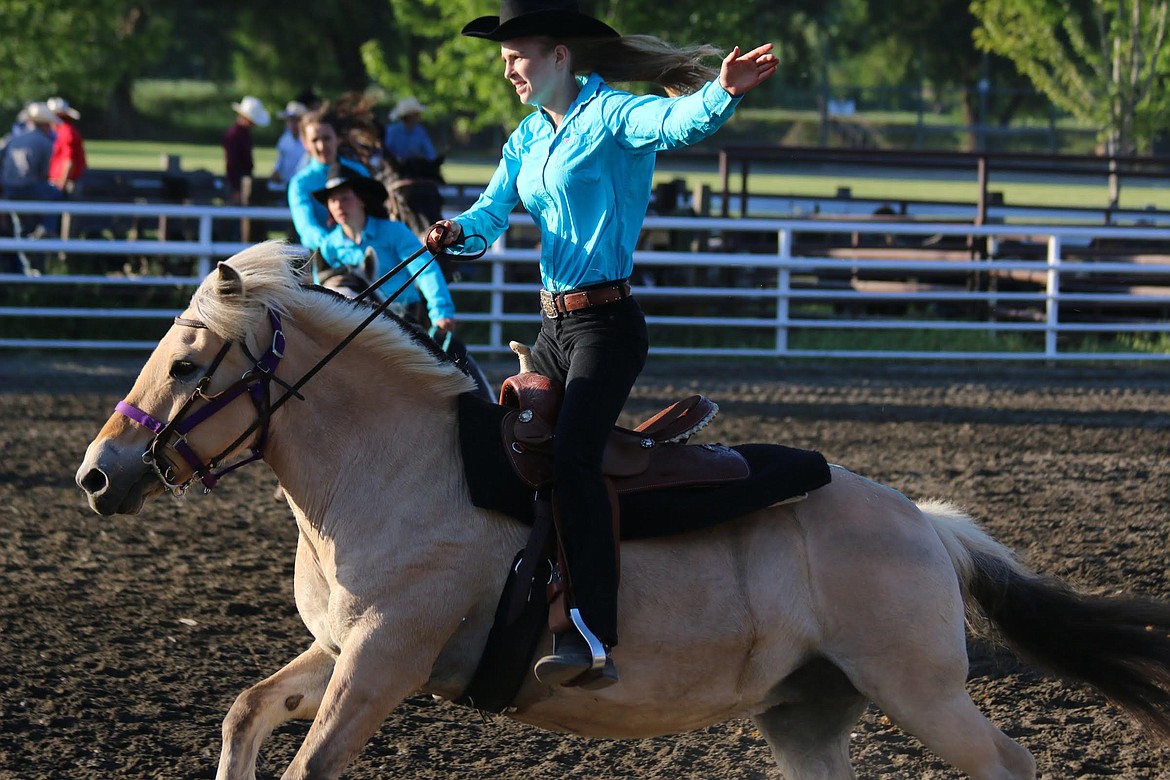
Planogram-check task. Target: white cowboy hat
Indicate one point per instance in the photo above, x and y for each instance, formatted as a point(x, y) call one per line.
point(41, 114)
point(408, 105)
point(251, 108)
point(59, 105)
point(293, 108)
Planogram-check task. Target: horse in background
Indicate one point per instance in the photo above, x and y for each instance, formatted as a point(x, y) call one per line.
point(413, 184)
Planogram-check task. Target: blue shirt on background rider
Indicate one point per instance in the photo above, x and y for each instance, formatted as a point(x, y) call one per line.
point(309, 216)
point(406, 136)
point(393, 242)
point(357, 204)
point(406, 142)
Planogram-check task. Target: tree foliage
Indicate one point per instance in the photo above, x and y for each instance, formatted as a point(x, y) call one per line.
point(283, 46)
point(81, 50)
point(462, 78)
point(1104, 61)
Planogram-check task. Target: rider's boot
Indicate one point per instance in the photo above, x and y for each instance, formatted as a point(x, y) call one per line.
point(577, 654)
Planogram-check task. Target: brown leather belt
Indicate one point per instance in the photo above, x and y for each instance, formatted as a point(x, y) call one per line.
point(555, 304)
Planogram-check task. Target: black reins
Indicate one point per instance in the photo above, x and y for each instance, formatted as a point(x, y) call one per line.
point(256, 382)
point(379, 309)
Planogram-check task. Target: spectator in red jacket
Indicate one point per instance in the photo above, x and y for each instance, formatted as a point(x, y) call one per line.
point(67, 163)
point(237, 143)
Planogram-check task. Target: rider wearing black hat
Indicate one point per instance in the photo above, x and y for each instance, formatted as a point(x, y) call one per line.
point(371, 192)
point(357, 204)
point(582, 164)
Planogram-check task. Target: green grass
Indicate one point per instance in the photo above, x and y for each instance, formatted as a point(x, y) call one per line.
point(147, 155)
point(199, 112)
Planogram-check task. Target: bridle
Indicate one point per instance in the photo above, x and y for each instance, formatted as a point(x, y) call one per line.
point(256, 382)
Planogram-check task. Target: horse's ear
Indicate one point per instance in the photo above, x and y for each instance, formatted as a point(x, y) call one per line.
point(317, 262)
point(370, 264)
point(228, 282)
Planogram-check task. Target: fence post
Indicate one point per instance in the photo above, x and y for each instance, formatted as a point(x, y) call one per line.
point(246, 200)
point(743, 187)
point(496, 329)
point(1052, 297)
point(203, 267)
point(783, 290)
point(725, 182)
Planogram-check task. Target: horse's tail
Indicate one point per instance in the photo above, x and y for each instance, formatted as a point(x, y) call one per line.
point(1119, 645)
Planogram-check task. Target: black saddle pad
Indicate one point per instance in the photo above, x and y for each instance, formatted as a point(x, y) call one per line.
point(777, 473)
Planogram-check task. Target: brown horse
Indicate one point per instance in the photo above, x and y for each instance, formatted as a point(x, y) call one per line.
point(796, 615)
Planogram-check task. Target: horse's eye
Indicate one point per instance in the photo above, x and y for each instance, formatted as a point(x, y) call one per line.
point(184, 370)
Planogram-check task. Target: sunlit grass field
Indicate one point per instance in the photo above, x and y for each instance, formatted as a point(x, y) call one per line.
point(148, 155)
point(200, 111)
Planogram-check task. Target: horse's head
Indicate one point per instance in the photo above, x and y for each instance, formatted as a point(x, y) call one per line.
point(350, 281)
point(208, 391)
point(203, 396)
point(420, 168)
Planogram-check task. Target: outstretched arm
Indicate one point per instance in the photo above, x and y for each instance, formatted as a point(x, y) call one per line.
point(741, 73)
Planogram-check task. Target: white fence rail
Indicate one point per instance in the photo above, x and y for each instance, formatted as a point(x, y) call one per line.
point(822, 290)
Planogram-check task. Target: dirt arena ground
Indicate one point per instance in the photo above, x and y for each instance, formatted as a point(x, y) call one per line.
point(124, 640)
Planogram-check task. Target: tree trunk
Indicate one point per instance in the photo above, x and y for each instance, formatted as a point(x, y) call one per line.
point(121, 118)
point(971, 118)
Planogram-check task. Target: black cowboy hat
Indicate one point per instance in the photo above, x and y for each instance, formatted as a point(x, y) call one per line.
point(554, 18)
point(370, 191)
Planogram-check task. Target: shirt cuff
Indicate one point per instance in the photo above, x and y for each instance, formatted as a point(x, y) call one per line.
point(717, 99)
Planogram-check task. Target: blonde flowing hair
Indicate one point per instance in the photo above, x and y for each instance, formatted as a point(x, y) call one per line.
point(645, 58)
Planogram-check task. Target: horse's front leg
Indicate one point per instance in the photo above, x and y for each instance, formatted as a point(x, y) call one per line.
point(293, 692)
point(377, 669)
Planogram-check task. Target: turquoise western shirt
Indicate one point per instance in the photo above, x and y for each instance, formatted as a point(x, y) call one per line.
point(588, 183)
point(311, 218)
point(393, 242)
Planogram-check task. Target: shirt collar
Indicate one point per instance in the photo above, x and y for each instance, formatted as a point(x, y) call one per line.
point(590, 86)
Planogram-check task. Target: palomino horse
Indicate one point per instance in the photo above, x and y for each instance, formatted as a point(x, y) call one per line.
point(796, 615)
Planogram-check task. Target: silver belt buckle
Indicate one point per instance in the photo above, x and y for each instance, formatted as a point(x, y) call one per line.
point(548, 304)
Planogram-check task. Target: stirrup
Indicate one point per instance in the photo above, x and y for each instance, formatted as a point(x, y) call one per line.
point(596, 648)
point(578, 659)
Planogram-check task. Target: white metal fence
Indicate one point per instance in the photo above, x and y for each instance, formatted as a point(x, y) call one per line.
point(775, 288)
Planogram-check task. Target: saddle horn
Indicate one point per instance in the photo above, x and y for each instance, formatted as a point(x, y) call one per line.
point(523, 353)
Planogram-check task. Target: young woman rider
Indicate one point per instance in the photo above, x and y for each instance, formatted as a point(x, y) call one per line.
point(582, 165)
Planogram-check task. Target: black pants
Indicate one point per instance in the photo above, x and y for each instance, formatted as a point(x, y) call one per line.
point(597, 353)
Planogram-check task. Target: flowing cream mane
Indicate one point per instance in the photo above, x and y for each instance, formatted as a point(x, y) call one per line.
point(271, 279)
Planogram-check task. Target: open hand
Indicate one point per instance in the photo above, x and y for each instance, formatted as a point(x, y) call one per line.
point(741, 73)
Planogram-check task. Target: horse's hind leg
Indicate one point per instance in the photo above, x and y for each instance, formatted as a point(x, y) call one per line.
point(809, 731)
point(920, 682)
point(949, 724)
point(293, 692)
point(917, 674)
